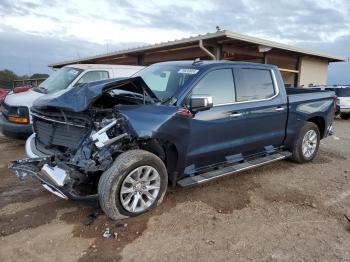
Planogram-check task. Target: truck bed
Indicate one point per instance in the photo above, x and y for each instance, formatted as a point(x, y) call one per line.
point(296, 95)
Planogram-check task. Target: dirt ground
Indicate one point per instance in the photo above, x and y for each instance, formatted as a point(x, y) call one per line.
point(280, 212)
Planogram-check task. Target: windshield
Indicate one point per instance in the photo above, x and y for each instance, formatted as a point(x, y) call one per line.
point(164, 80)
point(59, 80)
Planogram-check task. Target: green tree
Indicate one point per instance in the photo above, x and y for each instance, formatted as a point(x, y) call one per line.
point(36, 75)
point(6, 78)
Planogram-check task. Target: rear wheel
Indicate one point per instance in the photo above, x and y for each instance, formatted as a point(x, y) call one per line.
point(344, 116)
point(134, 184)
point(307, 143)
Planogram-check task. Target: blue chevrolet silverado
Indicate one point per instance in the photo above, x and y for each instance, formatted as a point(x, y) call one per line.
point(179, 123)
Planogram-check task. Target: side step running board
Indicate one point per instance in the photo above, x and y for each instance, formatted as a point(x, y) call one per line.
point(238, 167)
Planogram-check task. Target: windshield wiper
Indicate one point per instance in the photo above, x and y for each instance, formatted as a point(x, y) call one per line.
point(41, 89)
point(166, 99)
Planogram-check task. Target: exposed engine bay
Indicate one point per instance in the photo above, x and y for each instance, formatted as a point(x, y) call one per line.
point(73, 149)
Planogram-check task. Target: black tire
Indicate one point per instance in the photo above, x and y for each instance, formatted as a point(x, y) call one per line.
point(344, 116)
point(112, 179)
point(297, 153)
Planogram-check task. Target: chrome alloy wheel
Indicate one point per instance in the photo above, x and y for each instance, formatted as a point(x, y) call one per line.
point(309, 143)
point(140, 189)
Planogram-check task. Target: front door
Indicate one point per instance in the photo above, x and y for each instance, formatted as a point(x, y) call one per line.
point(216, 133)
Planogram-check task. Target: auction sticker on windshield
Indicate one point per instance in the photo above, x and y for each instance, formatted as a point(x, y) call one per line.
point(73, 72)
point(188, 71)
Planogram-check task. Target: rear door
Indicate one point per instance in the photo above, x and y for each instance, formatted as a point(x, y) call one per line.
point(264, 107)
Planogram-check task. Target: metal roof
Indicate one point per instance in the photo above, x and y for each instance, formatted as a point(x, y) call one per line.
point(219, 34)
point(105, 66)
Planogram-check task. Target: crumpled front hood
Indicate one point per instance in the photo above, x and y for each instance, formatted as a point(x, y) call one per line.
point(79, 98)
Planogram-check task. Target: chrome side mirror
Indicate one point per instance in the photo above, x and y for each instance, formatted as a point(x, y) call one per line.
point(200, 103)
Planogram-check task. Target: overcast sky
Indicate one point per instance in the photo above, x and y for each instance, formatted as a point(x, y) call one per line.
point(35, 33)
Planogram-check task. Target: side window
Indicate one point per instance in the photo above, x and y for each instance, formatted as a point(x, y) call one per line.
point(93, 76)
point(253, 84)
point(219, 85)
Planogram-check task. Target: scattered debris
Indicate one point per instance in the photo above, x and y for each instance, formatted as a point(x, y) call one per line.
point(313, 205)
point(347, 218)
point(336, 138)
point(115, 235)
point(90, 218)
point(210, 242)
point(220, 211)
point(107, 233)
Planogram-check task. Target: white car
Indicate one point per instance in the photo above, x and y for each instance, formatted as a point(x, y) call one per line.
point(15, 120)
point(343, 95)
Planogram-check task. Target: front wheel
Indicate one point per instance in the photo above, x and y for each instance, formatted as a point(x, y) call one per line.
point(134, 184)
point(306, 144)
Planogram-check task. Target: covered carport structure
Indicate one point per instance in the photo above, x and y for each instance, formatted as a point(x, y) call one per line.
point(299, 67)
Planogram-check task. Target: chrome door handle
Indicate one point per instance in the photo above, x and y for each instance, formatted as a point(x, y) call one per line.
point(280, 109)
point(236, 115)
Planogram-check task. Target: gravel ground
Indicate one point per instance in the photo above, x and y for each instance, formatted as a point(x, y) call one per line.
point(280, 212)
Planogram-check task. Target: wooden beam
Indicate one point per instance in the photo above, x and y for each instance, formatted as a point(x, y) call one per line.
point(189, 54)
point(243, 51)
point(289, 70)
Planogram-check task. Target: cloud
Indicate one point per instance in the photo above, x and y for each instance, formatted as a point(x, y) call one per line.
point(87, 26)
point(27, 54)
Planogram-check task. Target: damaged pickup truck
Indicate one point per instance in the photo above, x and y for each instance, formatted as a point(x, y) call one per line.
point(180, 123)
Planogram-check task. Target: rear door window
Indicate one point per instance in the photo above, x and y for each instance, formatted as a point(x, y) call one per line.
point(218, 84)
point(253, 84)
point(93, 76)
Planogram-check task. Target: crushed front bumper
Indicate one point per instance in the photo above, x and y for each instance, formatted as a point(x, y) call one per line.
point(53, 178)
